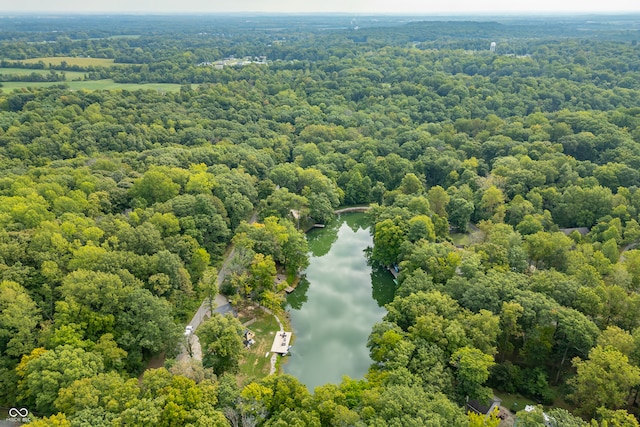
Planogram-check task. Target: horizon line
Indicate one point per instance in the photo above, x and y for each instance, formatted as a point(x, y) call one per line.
point(574, 13)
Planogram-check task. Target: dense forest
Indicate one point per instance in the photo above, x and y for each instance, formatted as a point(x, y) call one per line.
point(116, 208)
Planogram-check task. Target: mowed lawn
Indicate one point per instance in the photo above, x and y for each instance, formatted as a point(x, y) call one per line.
point(72, 60)
point(514, 402)
point(106, 84)
point(255, 362)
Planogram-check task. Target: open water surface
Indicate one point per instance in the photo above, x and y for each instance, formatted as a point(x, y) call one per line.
point(333, 309)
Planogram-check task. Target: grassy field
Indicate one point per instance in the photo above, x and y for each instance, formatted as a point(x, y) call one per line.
point(106, 84)
point(70, 60)
point(254, 364)
point(71, 75)
point(513, 401)
point(460, 239)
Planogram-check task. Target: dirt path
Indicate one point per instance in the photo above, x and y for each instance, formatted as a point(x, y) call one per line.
point(627, 248)
point(274, 359)
point(196, 350)
point(191, 347)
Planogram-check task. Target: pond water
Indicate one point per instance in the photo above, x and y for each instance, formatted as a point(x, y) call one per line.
point(334, 307)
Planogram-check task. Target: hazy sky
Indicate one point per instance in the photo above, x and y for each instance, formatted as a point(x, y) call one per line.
point(293, 6)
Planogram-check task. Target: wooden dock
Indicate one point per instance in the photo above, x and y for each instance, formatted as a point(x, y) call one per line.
point(281, 342)
point(289, 289)
point(352, 209)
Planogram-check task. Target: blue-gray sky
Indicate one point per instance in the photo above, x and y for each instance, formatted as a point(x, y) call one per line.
point(306, 6)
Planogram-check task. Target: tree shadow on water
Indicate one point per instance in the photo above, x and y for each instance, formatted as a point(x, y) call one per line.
point(355, 221)
point(321, 239)
point(383, 287)
point(299, 296)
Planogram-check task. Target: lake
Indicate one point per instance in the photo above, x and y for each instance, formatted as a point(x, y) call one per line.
point(335, 305)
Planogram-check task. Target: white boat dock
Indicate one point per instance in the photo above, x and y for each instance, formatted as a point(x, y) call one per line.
point(281, 342)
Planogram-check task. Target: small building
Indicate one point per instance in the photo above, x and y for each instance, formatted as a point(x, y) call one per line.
point(281, 342)
point(249, 336)
point(394, 270)
point(295, 214)
point(483, 408)
point(582, 230)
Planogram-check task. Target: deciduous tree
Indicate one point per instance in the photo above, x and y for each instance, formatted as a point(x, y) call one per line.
point(604, 379)
point(221, 340)
point(44, 372)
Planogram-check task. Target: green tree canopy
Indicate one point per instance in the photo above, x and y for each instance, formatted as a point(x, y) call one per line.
point(221, 340)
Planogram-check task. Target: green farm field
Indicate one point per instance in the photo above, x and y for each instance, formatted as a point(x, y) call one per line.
point(71, 75)
point(81, 62)
point(106, 84)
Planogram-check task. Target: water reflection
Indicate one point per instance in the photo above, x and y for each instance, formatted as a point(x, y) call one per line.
point(299, 296)
point(355, 221)
point(382, 286)
point(333, 310)
point(321, 239)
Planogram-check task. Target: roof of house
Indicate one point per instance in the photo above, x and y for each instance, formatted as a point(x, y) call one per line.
point(483, 408)
point(582, 230)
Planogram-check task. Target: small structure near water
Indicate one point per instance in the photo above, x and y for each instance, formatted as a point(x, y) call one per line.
point(352, 209)
point(281, 343)
point(394, 270)
point(249, 336)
